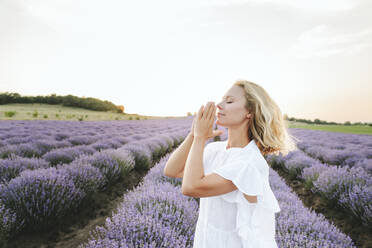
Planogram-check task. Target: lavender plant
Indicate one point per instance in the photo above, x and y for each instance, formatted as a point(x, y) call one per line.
point(13, 166)
point(41, 197)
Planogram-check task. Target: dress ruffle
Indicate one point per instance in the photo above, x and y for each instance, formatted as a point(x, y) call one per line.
point(251, 217)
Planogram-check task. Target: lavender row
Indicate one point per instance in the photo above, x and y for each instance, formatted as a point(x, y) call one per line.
point(14, 164)
point(36, 138)
point(156, 214)
point(336, 148)
point(297, 226)
point(44, 148)
point(79, 133)
point(349, 188)
point(40, 198)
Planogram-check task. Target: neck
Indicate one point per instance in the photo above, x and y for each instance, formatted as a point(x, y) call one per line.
point(237, 137)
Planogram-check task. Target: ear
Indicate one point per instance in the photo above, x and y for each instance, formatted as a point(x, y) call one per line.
point(249, 115)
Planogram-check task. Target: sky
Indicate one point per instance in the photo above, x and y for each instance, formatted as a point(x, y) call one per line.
point(169, 57)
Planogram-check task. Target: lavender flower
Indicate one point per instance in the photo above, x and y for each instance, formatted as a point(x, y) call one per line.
point(85, 177)
point(358, 199)
point(67, 155)
point(111, 163)
point(142, 155)
point(11, 167)
point(41, 197)
point(334, 180)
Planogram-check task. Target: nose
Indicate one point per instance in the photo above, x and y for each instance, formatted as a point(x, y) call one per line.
point(219, 106)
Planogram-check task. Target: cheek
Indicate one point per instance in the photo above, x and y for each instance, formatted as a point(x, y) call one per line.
point(236, 109)
point(238, 112)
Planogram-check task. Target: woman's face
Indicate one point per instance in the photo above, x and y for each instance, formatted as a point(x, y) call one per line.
point(231, 110)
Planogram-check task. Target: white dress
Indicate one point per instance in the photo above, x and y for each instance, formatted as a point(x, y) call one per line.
point(229, 220)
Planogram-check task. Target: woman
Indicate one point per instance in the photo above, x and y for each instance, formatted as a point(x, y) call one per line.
point(237, 205)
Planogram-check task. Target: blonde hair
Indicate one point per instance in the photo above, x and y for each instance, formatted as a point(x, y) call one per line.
point(266, 126)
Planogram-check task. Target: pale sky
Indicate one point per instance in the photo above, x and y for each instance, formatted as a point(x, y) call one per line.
point(168, 57)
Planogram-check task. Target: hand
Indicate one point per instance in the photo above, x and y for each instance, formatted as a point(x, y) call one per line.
point(204, 120)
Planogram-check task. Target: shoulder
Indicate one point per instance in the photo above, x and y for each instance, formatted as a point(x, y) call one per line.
point(215, 145)
point(251, 158)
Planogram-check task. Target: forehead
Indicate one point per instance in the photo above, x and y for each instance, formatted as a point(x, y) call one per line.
point(234, 92)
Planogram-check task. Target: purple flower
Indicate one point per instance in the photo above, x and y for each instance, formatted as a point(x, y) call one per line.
point(41, 197)
point(11, 167)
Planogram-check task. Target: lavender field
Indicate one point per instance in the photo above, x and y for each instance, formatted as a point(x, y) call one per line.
point(50, 168)
point(336, 166)
point(156, 215)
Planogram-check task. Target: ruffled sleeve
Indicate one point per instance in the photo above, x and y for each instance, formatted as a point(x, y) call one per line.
point(246, 178)
point(250, 216)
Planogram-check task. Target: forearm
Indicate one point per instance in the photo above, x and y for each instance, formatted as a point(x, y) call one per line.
point(194, 171)
point(177, 159)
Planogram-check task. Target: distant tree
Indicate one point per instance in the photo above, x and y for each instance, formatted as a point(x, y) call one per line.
point(9, 98)
point(53, 99)
point(347, 123)
point(317, 121)
point(121, 108)
point(188, 114)
point(69, 100)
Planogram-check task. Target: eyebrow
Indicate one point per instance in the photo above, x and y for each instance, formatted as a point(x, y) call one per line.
point(227, 97)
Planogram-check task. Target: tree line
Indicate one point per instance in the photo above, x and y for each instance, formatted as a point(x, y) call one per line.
point(318, 121)
point(68, 100)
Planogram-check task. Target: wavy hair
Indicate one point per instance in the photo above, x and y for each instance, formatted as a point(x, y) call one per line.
point(267, 126)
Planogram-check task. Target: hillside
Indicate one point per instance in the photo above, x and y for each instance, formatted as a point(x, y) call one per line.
point(58, 112)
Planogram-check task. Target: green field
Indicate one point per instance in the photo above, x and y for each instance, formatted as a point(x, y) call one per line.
point(58, 112)
point(355, 129)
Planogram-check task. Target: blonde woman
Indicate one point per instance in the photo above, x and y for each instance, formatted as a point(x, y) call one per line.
point(231, 178)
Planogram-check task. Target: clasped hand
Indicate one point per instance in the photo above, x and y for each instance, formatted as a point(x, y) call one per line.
point(202, 125)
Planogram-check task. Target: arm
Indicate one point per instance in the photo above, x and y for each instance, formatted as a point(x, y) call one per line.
point(196, 184)
point(176, 162)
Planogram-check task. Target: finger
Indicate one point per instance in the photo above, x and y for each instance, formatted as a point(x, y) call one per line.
point(204, 110)
point(212, 112)
point(200, 112)
point(208, 110)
